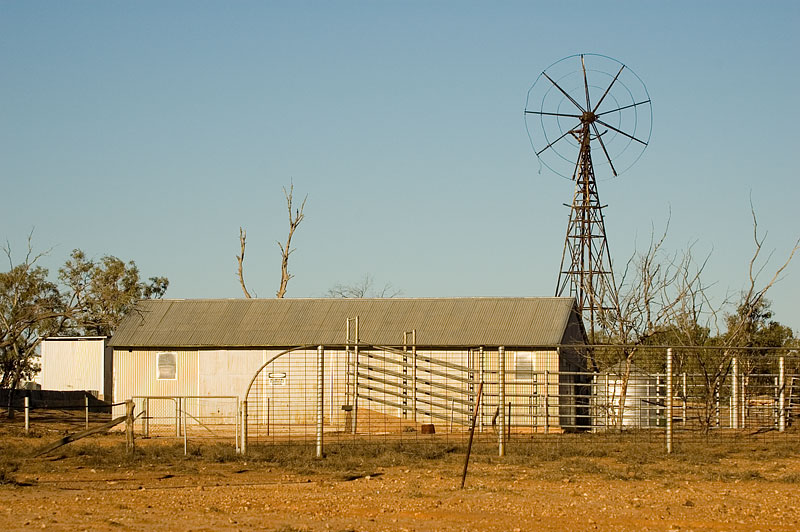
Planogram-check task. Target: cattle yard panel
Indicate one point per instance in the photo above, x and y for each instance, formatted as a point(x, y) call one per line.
point(370, 394)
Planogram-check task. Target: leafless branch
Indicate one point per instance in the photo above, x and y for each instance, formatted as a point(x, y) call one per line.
point(240, 260)
point(363, 288)
point(286, 250)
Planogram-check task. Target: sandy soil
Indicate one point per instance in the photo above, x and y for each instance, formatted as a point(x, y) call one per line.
point(497, 498)
point(737, 491)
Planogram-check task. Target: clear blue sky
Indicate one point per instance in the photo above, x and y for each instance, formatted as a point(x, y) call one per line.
point(153, 130)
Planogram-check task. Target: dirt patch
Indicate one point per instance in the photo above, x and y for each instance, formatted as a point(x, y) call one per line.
point(94, 485)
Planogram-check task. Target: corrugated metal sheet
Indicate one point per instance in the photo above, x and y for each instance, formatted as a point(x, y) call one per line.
point(74, 364)
point(135, 374)
point(290, 322)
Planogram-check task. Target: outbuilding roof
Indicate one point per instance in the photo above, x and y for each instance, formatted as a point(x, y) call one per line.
point(468, 321)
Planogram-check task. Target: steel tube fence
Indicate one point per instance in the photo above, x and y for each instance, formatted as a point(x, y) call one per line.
point(357, 393)
point(189, 417)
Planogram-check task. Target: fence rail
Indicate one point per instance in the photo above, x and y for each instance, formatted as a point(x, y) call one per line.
point(189, 417)
point(369, 393)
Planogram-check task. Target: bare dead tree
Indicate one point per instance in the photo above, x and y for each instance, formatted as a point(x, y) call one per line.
point(363, 288)
point(294, 221)
point(240, 260)
point(715, 366)
point(652, 290)
point(286, 250)
point(665, 298)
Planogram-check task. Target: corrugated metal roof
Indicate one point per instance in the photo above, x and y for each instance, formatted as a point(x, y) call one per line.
point(490, 321)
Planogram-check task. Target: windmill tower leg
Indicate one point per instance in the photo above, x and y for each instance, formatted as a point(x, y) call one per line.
point(585, 272)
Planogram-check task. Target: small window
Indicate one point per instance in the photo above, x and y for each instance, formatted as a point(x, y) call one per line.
point(524, 365)
point(167, 366)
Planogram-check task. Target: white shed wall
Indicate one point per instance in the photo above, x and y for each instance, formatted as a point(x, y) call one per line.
point(77, 364)
point(290, 398)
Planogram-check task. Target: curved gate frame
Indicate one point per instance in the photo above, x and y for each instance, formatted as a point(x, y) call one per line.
point(320, 386)
point(243, 440)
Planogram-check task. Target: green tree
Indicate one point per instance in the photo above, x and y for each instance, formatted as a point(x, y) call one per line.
point(31, 308)
point(94, 298)
point(102, 292)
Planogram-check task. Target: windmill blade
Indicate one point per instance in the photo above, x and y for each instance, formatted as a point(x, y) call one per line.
point(551, 144)
point(564, 92)
point(603, 97)
point(622, 108)
point(609, 126)
point(550, 114)
point(585, 83)
point(603, 145)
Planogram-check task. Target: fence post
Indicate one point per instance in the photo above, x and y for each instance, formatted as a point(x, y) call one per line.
point(355, 382)
point(146, 417)
point(236, 433)
point(607, 405)
point(501, 379)
point(482, 378)
point(177, 417)
point(86, 404)
point(27, 415)
point(685, 399)
point(185, 427)
point(669, 400)
point(320, 398)
point(244, 427)
point(547, 401)
point(782, 395)
point(129, 442)
point(735, 395)
point(414, 375)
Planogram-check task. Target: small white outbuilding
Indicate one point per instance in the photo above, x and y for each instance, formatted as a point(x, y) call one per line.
point(77, 363)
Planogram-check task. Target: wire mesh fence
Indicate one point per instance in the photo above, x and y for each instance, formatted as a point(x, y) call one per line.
point(54, 410)
point(364, 394)
point(188, 417)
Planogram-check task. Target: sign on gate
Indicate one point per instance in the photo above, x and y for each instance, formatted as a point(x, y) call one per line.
point(276, 379)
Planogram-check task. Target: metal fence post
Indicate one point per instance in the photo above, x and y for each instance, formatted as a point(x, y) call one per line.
point(86, 404)
point(177, 417)
point(244, 427)
point(146, 417)
point(185, 427)
point(735, 395)
point(547, 401)
point(781, 395)
point(320, 398)
point(685, 399)
point(501, 379)
point(669, 401)
point(27, 414)
point(414, 375)
point(607, 399)
point(236, 433)
point(482, 364)
point(355, 382)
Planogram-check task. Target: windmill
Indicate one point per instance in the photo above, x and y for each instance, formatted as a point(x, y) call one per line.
point(582, 102)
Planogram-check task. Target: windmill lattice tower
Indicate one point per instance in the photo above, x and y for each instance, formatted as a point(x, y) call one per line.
point(617, 105)
point(585, 271)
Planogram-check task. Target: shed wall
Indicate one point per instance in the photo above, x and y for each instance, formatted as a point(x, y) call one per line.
point(285, 392)
point(77, 364)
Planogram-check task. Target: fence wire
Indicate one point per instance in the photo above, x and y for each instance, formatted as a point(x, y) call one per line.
point(361, 394)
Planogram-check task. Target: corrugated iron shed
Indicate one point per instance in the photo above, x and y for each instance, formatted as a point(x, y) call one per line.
point(488, 321)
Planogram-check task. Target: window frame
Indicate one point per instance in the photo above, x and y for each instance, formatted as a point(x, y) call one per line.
point(159, 365)
point(525, 375)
